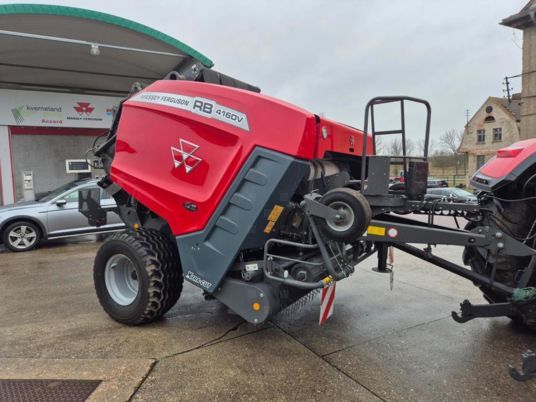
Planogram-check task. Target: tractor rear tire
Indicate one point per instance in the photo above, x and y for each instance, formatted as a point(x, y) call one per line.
point(514, 219)
point(137, 276)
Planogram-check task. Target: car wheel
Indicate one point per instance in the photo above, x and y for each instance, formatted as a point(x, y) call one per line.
point(22, 236)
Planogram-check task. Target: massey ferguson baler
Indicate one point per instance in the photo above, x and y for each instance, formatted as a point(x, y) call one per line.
point(258, 202)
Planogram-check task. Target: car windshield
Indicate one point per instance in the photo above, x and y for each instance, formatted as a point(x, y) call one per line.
point(53, 194)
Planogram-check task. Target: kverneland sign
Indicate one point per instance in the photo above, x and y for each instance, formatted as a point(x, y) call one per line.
point(29, 108)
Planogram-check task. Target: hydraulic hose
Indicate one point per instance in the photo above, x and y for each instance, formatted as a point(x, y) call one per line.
point(290, 281)
point(294, 282)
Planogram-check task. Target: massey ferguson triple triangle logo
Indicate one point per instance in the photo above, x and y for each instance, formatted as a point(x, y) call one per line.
point(184, 155)
point(83, 108)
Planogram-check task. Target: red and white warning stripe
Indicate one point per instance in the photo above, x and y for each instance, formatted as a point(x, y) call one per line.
point(326, 306)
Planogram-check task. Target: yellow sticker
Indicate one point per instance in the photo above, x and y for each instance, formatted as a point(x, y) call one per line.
point(276, 212)
point(273, 217)
point(269, 227)
point(376, 231)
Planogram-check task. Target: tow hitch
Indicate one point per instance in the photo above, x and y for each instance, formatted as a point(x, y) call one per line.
point(528, 367)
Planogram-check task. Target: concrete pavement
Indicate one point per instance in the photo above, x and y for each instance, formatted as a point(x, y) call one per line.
point(380, 344)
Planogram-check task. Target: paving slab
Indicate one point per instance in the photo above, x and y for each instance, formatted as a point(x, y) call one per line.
point(442, 361)
point(120, 377)
point(268, 365)
point(400, 345)
point(414, 271)
point(49, 309)
point(365, 308)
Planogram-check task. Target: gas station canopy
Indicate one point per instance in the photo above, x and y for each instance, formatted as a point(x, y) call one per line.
point(71, 49)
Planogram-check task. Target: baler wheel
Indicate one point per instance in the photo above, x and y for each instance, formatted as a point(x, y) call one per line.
point(137, 276)
point(353, 218)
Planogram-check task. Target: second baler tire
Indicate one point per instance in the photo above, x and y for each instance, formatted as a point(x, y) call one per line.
point(158, 268)
point(359, 205)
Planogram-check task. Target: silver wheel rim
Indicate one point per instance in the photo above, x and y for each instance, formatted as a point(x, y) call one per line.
point(121, 279)
point(22, 237)
point(346, 215)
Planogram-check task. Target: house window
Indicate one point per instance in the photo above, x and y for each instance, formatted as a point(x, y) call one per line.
point(480, 136)
point(497, 134)
point(480, 160)
point(489, 119)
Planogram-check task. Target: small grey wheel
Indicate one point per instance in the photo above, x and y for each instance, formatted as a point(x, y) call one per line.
point(344, 219)
point(21, 236)
point(352, 215)
point(121, 279)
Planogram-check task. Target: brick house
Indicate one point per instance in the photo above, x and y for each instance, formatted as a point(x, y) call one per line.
point(495, 125)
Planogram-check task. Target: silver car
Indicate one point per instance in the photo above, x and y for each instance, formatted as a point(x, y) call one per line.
point(450, 194)
point(25, 224)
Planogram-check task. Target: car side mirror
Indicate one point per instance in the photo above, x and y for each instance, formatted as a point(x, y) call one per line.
point(61, 203)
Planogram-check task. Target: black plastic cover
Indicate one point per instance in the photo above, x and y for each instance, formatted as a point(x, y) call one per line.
point(417, 180)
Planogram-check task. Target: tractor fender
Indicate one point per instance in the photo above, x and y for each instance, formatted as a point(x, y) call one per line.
point(506, 166)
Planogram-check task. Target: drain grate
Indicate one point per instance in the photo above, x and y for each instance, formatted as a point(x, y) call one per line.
point(46, 390)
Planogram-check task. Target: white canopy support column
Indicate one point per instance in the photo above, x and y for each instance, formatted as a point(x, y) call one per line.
point(6, 175)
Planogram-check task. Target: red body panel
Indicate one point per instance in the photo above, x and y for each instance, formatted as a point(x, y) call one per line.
point(144, 166)
point(499, 167)
point(337, 137)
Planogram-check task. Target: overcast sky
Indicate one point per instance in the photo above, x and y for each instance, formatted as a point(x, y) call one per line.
point(331, 57)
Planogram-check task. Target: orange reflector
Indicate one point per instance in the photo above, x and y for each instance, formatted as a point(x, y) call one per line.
point(256, 306)
point(508, 152)
point(136, 226)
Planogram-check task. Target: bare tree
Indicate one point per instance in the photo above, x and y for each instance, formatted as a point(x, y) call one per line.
point(450, 140)
point(410, 147)
point(420, 146)
point(380, 146)
point(395, 147)
point(439, 152)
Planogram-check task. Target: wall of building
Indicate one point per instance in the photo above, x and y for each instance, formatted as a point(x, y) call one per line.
point(45, 155)
point(39, 130)
point(504, 119)
point(528, 93)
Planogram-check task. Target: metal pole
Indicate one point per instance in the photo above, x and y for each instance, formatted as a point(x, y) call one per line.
point(382, 257)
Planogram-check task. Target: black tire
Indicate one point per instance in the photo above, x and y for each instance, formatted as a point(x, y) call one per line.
point(514, 219)
point(30, 232)
point(355, 224)
point(155, 263)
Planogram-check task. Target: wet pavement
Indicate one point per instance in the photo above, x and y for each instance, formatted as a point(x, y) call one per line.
point(380, 344)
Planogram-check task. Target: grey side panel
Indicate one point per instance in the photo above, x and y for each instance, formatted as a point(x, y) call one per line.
point(267, 178)
point(240, 296)
point(271, 298)
point(378, 179)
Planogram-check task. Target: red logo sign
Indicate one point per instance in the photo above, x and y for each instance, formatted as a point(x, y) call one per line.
point(83, 108)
